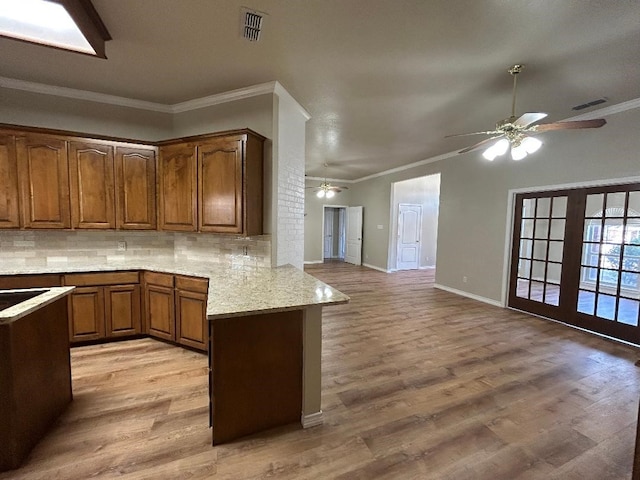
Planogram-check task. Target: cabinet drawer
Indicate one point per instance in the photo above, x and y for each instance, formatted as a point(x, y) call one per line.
point(192, 284)
point(161, 279)
point(93, 279)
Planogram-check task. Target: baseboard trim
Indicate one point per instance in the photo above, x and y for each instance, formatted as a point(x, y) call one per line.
point(313, 262)
point(375, 268)
point(312, 420)
point(462, 293)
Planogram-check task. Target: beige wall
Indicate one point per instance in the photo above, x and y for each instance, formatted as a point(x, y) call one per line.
point(253, 113)
point(18, 107)
point(474, 197)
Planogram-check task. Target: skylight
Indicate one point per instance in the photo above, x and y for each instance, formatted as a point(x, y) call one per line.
point(49, 23)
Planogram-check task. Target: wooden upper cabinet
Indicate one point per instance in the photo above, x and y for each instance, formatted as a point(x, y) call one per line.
point(220, 185)
point(230, 177)
point(44, 181)
point(136, 188)
point(91, 178)
point(9, 213)
point(177, 185)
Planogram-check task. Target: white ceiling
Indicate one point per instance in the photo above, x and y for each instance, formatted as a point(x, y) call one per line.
point(384, 80)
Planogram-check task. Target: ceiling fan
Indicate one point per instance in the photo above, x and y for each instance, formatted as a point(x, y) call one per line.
point(325, 189)
point(517, 132)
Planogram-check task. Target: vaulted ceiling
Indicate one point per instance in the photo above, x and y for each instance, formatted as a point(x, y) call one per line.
point(383, 80)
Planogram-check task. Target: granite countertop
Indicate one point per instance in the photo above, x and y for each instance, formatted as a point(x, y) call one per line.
point(233, 290)
point(47, 296)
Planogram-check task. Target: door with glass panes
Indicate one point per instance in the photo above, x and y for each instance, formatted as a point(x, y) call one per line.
point(576, 258)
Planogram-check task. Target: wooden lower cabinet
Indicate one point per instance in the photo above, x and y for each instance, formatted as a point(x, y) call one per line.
point(103, 306)
point(122, 310)
point(160, 312)
point(191, 312)
point(8, 282)
point(118, 304)
point(176, 308)
point(86, 314)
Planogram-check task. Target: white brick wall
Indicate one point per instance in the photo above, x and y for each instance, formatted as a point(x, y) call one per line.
point(289, 151)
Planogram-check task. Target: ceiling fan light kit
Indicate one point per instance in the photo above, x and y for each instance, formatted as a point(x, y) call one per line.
point(516, 132)
point(326, 190)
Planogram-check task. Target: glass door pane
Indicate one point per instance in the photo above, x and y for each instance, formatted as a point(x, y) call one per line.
point(609, 271)
point(540, 248)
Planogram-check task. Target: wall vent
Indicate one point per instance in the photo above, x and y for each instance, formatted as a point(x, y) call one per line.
point(589, 104)
point(251, 23)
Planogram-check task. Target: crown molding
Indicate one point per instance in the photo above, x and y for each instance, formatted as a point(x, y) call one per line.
point(54, 90)
point(218, 98)
point(322, 179)
point(610, 110)
point(239, 94)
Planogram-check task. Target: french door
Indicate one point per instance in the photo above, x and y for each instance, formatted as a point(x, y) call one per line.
point(576, 258)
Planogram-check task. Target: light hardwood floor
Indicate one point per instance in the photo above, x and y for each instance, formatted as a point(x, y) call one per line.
point(418, 383)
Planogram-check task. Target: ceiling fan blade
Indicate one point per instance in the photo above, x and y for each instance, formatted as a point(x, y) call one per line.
point(488, 132)
point(479, 144)
point(545, 127)
point(529, 118)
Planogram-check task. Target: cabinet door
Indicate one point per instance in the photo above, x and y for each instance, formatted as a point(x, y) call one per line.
point(136, 188)
point(220, 185)
point(160, 312)
point(122, 310)
point(91, 180)
point(178, 188)
point(44, 182)
point(9, 214)
point(191, 319)
point(86, 314)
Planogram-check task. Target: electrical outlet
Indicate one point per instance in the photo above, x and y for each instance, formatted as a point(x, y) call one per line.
point(464, 279)
point(122, 245)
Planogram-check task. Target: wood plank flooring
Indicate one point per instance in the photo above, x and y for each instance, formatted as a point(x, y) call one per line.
point(418, 383)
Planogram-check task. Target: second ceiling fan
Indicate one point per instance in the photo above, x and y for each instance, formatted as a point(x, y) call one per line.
point(517, 133)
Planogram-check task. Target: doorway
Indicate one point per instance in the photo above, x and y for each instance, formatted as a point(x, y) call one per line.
point(576, 258)
point(413, 232)
point(334, 233)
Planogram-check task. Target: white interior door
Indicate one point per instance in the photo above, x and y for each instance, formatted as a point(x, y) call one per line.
point(353, 252)
point(328, 232)
point(409, 230)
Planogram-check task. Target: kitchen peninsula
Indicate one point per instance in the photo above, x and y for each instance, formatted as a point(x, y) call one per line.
point(265, 338)
point(35, 370)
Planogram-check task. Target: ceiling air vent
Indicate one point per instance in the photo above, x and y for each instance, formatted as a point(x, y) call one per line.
point(590, 104)
point(251, 22)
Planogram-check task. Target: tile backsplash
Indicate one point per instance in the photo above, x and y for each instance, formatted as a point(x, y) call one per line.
point(51, 247)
